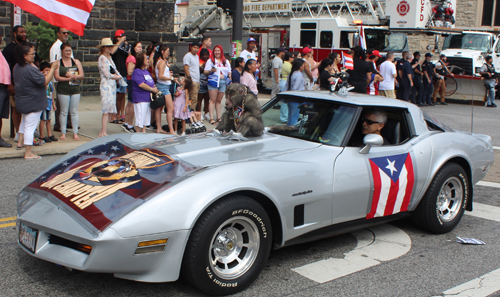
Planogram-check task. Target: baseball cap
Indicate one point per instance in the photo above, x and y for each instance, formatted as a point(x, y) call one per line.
point(428, 55)
point(195, 43)
point(306, 50)
point(376, 53)
point(250, 39)
point(119, 33)
point(280, 50)
point(442, 55)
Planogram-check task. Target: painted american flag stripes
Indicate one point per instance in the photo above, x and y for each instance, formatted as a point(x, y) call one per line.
point(393, 180)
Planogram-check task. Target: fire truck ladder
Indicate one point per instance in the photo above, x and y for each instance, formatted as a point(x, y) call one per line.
point(371, 12)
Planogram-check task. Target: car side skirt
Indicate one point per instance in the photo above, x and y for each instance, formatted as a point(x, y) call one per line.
point(343, 228)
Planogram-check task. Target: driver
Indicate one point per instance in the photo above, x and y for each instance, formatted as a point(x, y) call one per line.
point(372, 122)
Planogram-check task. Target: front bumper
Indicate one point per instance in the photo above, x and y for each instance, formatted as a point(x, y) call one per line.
point(111, 253)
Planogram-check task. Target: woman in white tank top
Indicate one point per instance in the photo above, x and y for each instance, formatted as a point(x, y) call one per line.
point(164, 80)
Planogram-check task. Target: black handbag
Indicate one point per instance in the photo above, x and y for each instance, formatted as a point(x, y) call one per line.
point(157, 100)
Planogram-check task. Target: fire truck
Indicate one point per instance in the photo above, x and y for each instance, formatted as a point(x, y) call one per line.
point(326, 26)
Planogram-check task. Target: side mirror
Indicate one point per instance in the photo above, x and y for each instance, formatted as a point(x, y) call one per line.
point(371, 140)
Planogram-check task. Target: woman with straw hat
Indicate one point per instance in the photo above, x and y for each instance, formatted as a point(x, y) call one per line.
point(109, 77)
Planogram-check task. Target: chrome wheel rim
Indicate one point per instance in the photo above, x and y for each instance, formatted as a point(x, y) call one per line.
point(234, 247)
point(450, 199)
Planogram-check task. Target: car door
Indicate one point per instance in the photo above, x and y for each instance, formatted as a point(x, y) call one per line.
point(382, 182)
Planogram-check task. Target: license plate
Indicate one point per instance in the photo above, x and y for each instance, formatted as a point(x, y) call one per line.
point(28, 237)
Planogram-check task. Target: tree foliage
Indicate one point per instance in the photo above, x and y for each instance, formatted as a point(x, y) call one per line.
point(43, 36)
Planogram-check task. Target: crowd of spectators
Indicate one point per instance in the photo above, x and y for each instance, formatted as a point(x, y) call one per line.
point(130, 77)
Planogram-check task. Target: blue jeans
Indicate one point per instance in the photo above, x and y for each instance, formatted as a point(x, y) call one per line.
point(293, 113)
point(490, 86)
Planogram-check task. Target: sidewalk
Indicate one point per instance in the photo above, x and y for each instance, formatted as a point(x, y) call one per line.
point(90, 124)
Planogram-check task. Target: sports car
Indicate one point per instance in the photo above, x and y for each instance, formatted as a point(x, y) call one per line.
point(211, 206)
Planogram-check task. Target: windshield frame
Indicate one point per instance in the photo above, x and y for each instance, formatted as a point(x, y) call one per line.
point(386, 34)
point(283, 96)
point(447, 41)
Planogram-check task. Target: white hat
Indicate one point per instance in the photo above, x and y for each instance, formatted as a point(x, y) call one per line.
point(106, 42)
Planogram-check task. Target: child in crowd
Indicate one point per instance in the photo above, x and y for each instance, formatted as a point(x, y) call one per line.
point(45, 116)
point(181, 109)
point(195, 119)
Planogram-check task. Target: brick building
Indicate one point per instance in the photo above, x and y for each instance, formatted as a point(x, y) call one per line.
point(140, 19)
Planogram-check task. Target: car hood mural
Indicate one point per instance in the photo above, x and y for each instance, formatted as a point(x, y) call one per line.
point(106, 181)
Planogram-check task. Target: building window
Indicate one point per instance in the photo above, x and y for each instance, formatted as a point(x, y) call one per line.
point(491, 13)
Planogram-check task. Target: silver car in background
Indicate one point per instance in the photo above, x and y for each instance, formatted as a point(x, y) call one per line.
point(149, 207)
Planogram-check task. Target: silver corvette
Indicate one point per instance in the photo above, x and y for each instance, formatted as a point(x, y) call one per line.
point(149, 207)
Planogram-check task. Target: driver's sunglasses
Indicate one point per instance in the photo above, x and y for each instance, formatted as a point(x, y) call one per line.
point(65, 33)
point(369, 122)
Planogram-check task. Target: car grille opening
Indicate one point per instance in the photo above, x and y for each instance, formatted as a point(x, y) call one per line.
point(53, 239)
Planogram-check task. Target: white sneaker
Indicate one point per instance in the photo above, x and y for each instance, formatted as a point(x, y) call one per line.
point(207, 117)
point(17, 137)
point(183, 134)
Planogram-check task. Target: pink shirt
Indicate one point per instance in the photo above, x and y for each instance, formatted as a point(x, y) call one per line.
point(249, 80)
point(4, 71)
point(130, 59)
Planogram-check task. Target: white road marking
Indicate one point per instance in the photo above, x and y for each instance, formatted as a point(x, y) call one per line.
point(375, 245)
point(488, 184)
point(485, 211)
point(481, 286)
point(496, 147)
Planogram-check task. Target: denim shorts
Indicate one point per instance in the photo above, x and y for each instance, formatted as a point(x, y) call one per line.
point(221, 88)
point(121, 89)
point(163, 88)
point(45, 116)
point(203, 88)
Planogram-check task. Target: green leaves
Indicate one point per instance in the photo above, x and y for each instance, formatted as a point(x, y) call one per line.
point(43, 36)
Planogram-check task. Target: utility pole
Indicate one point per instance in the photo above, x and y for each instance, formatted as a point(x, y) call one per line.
point(236, 47)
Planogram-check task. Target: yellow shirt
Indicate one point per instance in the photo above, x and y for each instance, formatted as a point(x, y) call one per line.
point(285, 71)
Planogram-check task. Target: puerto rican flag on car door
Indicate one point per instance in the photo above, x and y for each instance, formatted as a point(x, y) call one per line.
point(393, 180)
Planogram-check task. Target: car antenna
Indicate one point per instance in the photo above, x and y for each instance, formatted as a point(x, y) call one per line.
point(472, 111)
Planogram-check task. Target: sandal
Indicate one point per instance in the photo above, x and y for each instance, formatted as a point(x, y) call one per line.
point(219, 120)
point(212, 122)
point(35, 157)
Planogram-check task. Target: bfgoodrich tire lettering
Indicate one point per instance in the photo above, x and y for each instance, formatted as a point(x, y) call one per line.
point(443, 205)
point(228, 246)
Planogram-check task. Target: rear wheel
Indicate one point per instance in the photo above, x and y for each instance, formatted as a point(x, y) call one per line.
point(443, 205)
point(228, 246)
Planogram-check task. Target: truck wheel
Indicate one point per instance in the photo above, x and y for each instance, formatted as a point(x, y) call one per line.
point(228, 246)
point(443, 205)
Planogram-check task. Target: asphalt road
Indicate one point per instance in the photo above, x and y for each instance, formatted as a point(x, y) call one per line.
point(433, 264)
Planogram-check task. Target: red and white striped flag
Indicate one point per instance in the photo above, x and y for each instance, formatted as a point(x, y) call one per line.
point(69, 14)
point(347, 61)
point(393, 180)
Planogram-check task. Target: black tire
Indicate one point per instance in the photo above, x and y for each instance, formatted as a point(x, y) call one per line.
point(443, 204)
point(234, 233)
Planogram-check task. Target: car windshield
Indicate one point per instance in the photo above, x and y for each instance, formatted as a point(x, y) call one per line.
point(321, 121)
point(478, 42)
point(434, 124)
point(383, 40)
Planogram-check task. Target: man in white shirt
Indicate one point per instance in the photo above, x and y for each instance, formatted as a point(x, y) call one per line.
point(249, 53)
point(276, 72)
point(192, 70)
point(55, 54)
point(389, 73)
point(55, 50)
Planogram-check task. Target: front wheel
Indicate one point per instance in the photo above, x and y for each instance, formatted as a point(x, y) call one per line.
point(443, 205)
point(228, 246)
